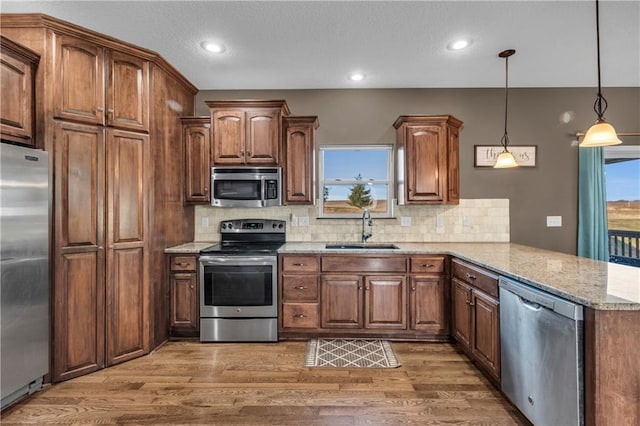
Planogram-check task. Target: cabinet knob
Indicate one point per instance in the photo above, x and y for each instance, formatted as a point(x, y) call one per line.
point(428, 265)
point(472, 304)
point(192, 286)
point(300, 287)
point(299, 316)
point(359, 287)
point(110, 111)
point(100, 109)
point(206, 190)
point(248, 153)
point(413, 289)
point(471, 276)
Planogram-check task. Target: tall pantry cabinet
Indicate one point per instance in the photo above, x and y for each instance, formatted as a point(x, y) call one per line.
point(93, 115)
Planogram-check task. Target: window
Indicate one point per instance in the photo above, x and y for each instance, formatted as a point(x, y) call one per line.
point(622, 176)
point(354, 178)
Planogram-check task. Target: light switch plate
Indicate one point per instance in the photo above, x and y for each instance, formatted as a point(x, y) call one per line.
point(303, 220)
point(439, 222)
point(466, 221)
point(405, 220)
point(554, 221)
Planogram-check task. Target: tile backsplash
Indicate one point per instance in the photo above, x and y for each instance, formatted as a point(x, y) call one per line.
point(473, 220)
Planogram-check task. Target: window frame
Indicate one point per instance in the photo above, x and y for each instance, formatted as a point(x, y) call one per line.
point(322, 182)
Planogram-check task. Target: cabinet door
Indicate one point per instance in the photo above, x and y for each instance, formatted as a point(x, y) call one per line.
point(453, 182)
point(426, 163)
point(127, 286)
point(462, 320)
point(79, 81)
point(262, 143)
point(128, 92)
point(197, 165)
point(16, 108)
point(184, 301)
point(386, 302)
point(341, 301)
point(428, 310)
point(228, 137)
point(300, 149)
point(486, 339)
point(78, 272)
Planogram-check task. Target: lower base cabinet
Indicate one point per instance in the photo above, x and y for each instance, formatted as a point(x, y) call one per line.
point(363, 295)
point(476, 315)
point(185, 302)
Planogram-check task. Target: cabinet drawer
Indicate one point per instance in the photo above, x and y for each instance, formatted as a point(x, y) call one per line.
point(300, 287)
point(300, 315)
point(300, 264)
point(366, 264)
point(183, 263)
point(476, 276)
point(427, 265)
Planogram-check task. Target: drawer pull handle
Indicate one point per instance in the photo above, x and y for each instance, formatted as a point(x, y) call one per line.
point(183, 263)
point(300, 287)
point(428, 265)
point(471, 276)
point(299, 316)
point(298, 264)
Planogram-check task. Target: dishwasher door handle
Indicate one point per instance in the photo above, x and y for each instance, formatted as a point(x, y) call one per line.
point(529, 304)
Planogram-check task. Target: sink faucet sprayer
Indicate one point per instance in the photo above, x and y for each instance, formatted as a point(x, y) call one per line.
point(366, 222)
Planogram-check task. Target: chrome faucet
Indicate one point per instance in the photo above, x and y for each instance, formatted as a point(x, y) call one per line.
point(366, 222)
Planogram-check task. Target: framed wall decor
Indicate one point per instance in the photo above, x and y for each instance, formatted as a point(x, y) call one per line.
point(486, 155)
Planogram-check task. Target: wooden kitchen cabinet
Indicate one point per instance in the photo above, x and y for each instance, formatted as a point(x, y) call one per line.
point(109, 114)
point(428, 159)
point(476, 315)
point(342, 300)
point(96, 85)
point(197, 153)
point(247, 132)
point(428, 308)
point(299, 171)
point(185, 305)
point(17, 76)
point(385, 305)
point(299, 290)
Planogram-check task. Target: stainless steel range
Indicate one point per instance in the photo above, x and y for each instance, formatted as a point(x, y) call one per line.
point(239, 282)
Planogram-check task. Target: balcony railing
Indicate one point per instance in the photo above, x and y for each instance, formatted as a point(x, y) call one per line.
point(624, 247)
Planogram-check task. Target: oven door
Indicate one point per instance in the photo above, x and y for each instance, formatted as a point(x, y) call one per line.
point(238, 287)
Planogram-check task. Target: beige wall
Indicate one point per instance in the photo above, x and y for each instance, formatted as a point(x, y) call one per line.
point(547, 118)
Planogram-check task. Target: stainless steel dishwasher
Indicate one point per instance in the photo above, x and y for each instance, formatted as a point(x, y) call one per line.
point(541, 338)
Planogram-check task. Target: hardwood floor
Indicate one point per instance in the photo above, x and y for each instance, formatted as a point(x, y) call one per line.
point(266, 384)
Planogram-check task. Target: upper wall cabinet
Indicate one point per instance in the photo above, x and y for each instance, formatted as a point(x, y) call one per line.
point(17, 73)
point(299, 147)
point(428, 163)
point(95, 85)
point(247, 132)
point(197, 159)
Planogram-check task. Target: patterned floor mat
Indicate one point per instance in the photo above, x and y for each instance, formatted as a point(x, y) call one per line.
point(350, 353)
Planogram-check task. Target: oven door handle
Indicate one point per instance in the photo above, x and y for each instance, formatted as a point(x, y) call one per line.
point(244, 260)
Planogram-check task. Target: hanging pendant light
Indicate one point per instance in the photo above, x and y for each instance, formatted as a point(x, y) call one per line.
point(601, 133)
point(506, 159)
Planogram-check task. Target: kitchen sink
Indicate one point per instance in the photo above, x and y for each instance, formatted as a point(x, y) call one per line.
point(361, 246)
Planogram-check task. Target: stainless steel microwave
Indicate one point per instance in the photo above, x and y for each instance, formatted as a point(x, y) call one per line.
point(246, 186)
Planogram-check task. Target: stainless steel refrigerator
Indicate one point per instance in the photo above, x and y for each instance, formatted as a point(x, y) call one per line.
point(24, 269)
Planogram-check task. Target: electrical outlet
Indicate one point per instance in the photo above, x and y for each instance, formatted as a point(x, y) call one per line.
point(303, 221)
point(466, 221)
point(294, 220)
point(405, 220)
point(439, 222)
point(554, 221)
point(205, 222)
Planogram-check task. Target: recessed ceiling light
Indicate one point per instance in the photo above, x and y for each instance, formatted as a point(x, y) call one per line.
point(213, 47)
point(356, 76)
point(458, 44)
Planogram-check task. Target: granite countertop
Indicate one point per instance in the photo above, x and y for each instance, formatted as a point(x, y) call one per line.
point(595, 284)
point(189, 248)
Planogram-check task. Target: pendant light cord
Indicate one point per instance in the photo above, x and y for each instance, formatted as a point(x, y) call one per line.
point(600, 105)
point(505, 138)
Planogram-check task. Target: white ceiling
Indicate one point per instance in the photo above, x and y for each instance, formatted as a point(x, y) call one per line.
point(397, 44)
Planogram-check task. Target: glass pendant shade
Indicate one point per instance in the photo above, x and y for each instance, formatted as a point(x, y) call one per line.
point(505, 160)
point(600, 134)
